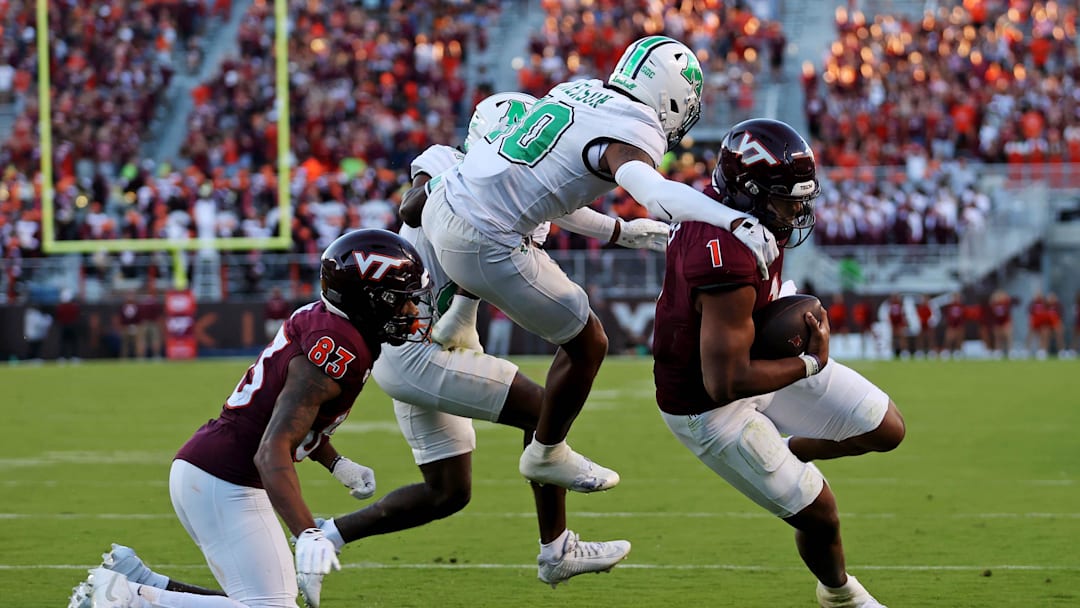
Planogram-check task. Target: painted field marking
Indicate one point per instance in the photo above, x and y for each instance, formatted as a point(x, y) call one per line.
point(598, 515)
point(732, 567)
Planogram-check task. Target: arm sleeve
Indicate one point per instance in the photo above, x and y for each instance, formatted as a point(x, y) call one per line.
point(672, 201)
point(588, 222)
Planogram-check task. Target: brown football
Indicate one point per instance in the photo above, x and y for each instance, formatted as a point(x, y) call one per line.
point(780, 329)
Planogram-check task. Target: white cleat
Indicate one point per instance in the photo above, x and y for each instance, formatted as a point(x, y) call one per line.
point(563, 467)
point(311, 588)
point(124, 560)
point(110, 589)
point(80, 596)
point(854, 595)
point(580, 558)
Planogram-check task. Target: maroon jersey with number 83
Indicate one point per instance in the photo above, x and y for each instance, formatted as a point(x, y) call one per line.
point(225, 446)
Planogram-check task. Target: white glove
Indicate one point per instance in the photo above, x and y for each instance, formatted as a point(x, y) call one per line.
point(761, 242)
point(359, 479)
point(315, 553)
point(311, 588)
point(643, 233)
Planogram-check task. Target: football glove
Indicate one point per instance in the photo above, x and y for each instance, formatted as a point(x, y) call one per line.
point(315, 553)
point(311, 588)
point(643, 233)
point(359, 479)
point(761, 243)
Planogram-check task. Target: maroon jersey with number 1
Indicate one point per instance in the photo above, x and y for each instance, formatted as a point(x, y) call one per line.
point(225, 446)
point(700, 257)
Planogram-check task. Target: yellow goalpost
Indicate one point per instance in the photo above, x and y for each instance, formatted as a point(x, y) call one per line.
point(51, 245)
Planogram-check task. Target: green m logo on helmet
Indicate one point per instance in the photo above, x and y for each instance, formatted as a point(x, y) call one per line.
point(633, 64)
point(692, 73)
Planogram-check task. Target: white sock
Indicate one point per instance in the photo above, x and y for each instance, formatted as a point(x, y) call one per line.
point(149, 597)
point(850, 587)
point(332, 534)
point(553, 551)
point(545, 449)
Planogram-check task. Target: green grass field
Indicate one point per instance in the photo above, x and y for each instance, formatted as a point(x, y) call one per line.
point(979, 507)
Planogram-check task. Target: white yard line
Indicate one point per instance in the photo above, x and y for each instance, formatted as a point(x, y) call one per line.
point(733, 567)
point(603, 515)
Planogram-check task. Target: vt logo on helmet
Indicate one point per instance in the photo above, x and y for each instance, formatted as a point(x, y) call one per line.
point(375, 279)
point(663, 74)
point(768, 170)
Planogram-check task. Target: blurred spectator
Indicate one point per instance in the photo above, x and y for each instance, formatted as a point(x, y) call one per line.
point(977, 314)
point(955, 315)
point(1001, 328)
point(926, 340)
point(862, 323)
point(69, 320)
point(1055, 328)
point(898, 323)
point(131, 338)
point(275, 312)
point(1038, 324)
point(36, 325)
point(500, 329)
point(151, 316)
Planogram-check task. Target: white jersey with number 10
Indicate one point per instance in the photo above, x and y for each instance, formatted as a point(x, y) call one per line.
point(547, 165)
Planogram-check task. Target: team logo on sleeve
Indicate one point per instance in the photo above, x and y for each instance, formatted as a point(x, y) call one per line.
point(374, 266)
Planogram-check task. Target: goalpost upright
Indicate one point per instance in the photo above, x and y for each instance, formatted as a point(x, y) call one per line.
point(283, 238)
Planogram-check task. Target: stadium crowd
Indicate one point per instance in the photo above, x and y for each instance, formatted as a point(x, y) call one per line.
point(343, 64)
point(983, 79)
point(736, 43)
point(395, 77)
point(373, 83)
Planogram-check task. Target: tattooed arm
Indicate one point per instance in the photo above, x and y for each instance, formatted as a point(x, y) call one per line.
point(306, 389)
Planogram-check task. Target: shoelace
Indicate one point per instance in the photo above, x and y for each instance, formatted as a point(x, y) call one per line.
point(581, 549)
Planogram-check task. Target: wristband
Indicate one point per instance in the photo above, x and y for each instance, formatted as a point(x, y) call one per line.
point(813, 364)
point(616, 232)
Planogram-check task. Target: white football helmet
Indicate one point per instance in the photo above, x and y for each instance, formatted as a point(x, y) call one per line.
point(495, 111)
point(663, 74)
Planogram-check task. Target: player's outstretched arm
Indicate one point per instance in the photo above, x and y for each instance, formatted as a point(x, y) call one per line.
point(676, 202)
point(640, 233)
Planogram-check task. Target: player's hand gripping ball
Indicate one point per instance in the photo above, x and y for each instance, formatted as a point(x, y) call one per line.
point(780, 328)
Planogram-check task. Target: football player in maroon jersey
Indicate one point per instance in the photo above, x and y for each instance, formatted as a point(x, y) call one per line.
point(237, 475)
point(732, 411)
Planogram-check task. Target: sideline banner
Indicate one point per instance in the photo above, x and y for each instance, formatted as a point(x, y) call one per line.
point(180, 325)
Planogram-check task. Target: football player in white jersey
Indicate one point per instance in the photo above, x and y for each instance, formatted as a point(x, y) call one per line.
point(573, 145)
point(436, 392)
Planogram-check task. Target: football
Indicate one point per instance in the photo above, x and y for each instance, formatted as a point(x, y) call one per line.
point(779, 327)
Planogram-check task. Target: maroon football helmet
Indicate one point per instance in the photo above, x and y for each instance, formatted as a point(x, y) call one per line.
point(369, 276)
point(764, 167)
